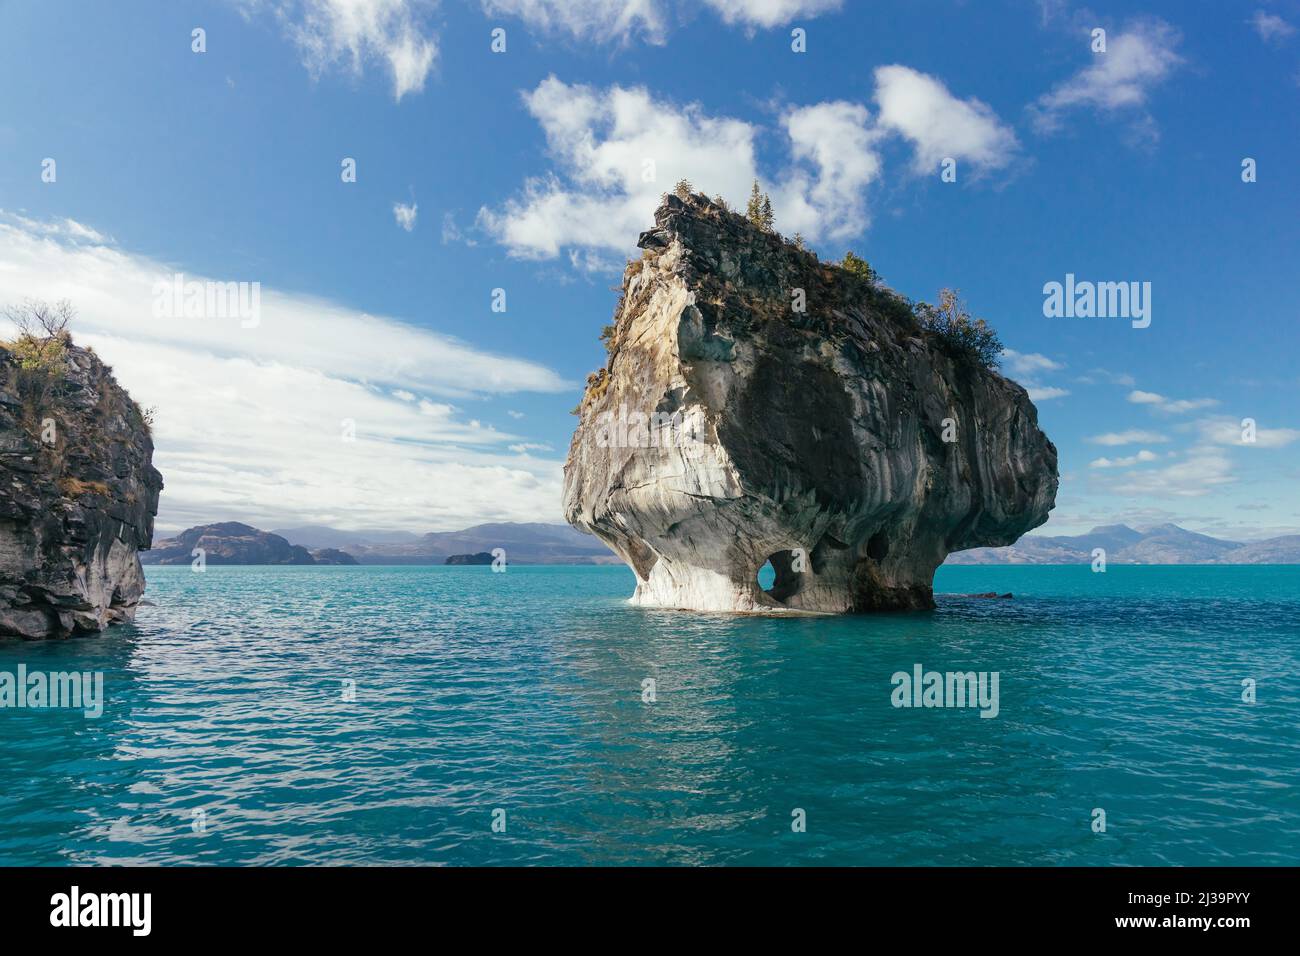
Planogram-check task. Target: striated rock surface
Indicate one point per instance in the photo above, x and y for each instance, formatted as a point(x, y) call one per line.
point(78, 494)
point(729, 429)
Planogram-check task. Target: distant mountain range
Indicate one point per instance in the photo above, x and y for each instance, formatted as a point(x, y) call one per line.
point(523, 544)
point(234, 543)
point(1164, 544)
point(231, 542)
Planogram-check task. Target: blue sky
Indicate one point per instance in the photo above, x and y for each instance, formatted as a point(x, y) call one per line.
point(526, 173)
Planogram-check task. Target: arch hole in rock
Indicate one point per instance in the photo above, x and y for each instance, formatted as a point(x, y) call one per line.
point(777, 576)
point(878, 546)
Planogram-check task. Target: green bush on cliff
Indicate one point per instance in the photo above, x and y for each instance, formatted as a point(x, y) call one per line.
point(958, 333)
point(856, 266)
point(39, 350)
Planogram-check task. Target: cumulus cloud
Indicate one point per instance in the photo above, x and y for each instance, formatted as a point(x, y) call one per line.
point(616, 150)
point(1225, 430)
point(352, 33)
point(939, 125)
point(1169, 406)
point(1117, 82)
point(1127, 462)
point(1026, 367)
point(587, 19)
point(1270, 27)
point(1028, 363)
point(770, 13)
point(834, 148)
point(1203, 471)
point(1133, 436)
point(1042, 393)
point(1098, 376)
point(622, 20)
point(251, 422)
point(405, 215)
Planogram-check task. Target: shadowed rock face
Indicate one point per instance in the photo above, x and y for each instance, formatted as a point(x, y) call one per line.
point(78, 494)
point(731, 430)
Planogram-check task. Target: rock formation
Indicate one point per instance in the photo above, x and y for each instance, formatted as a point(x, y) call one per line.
point(842, 442)
point(480, 557)
point(231, 542)
point(78, 494)
point(332, 556)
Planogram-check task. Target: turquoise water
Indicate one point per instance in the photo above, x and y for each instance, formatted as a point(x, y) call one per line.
point(523, 691)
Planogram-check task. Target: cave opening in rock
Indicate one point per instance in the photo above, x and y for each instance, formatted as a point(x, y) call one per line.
point(777, 577)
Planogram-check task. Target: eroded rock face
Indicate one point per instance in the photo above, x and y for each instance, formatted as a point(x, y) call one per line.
point(732, 429)
point(78, 494)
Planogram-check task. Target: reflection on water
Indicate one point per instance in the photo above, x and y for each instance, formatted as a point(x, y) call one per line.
point(524, 691)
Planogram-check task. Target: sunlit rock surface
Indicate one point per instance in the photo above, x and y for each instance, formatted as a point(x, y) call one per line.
point(731, 429)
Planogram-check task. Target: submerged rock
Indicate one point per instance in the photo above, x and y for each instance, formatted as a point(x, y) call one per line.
point(78, 494)
point(842, 443)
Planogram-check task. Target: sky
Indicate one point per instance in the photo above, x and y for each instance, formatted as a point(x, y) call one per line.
point(378, 387)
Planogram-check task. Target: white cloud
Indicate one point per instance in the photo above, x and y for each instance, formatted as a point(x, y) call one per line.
point(1169, 406)
point(1101, 375)
point(1141, 457)
point(249, 421)
point(452, 232)
point(1026, 367)
point(405, 215)
point(1117, 81)
point(1041, 393)
point(353, 32)
point(920, 108)
point(617, 150)
point(606, 143)
point(1271, 27)
point(621, 20)
point(1225, 430)
point(1203, 470)
point(827, 201)
point(1029, 364)
point(587, 19)
point(770, 13)
point(1133, 436)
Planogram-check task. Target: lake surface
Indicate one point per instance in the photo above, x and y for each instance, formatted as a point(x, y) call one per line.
point(230, 735)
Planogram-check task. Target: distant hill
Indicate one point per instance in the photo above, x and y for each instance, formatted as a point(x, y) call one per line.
point(482, 557)
point(523, 543)
point(232, 542)
point(1163, 544)
point(319, 536)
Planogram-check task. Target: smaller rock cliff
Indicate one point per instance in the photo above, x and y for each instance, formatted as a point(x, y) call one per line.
point(78, 492)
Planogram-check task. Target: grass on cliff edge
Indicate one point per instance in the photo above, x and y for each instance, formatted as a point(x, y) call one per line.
point(961, 336)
